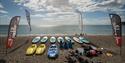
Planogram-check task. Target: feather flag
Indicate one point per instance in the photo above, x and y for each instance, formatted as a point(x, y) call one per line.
point(117, 28)
point(28, 18)
point(12, 31)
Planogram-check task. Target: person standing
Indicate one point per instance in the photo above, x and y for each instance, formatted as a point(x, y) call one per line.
point(61, 44)
point(70, 44)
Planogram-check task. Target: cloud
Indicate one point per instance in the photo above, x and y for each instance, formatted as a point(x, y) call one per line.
point(46, 5)
point(63, 11)
point(69, 20)
point(97, 5)
point(37, 5)
point(104, 21)
point(1, 9)
point(60, 13)
point(53, 15)
point(1, 6)
point(61, 20)
point(52, 9)
point(69, 5)
point(37, 15)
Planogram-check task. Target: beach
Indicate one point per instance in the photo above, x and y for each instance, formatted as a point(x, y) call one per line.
point(17, 53)
point(62, 31)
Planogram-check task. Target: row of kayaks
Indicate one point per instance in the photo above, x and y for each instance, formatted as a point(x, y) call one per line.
point(60, 39)
point(35, 49)
point(52, 52)
point(38, 39)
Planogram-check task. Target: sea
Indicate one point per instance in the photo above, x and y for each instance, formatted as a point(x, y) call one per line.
point(62, 29)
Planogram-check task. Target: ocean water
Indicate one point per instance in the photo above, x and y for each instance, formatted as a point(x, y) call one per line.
point(63, 29)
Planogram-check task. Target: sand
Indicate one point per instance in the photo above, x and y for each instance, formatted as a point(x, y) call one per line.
point(17, 53)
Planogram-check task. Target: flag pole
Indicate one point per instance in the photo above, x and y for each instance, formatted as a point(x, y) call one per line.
point(6, 51)
point(120, 50)
point(121, 47)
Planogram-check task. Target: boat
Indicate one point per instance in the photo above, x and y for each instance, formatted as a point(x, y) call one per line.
point(76, 39)
point(53, 39)
point(31, 49)
point(69, 39)
point(83, 40)
point(93, 47)
point(60, 39)
point(44, 39)
point(40, 49)
point(53, 51)
point(36, 39)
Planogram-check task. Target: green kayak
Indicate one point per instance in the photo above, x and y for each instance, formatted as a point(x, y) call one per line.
point(68, 39)
point(44, 39)
point(52, 39)
point(60, 39)
point(83, 40)
point(36, 39)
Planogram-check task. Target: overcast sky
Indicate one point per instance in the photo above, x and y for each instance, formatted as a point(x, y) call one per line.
point(61, 12)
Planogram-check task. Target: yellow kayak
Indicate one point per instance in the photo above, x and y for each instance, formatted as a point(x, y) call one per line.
point(31, 49)
point(41, 48)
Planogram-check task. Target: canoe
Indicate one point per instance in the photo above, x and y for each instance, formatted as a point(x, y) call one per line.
point(68, 39)
point(52, 39)
point(84, 40)
point(60, 39)
point(36, 39)
point(44, 39)
point(77, 40)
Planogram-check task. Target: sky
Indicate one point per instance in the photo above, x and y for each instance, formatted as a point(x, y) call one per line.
point(61, 12)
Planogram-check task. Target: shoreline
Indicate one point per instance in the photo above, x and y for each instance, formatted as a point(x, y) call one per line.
point(25, 35)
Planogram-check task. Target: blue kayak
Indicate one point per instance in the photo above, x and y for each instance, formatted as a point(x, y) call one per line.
point(53, 51)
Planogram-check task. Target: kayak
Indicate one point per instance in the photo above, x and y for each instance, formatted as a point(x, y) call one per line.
point(93, 47)
point(83, 40)
point(40, 49)
point(53, 51)
point(68, 39)
point(36, 39)
point(53, 39)
point(60, 39)
point(44, 39)
point(77, 40)
point(31, 49)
